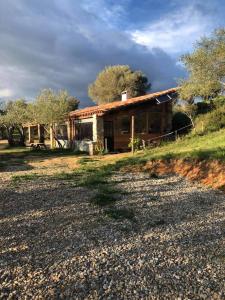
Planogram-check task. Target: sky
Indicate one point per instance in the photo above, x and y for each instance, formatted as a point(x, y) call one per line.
point(64, 44)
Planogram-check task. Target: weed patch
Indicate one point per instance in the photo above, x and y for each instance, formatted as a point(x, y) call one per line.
point(26, 177)
point(120, 213)
point(103, 199)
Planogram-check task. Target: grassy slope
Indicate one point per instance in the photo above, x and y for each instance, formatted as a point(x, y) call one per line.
point(210, 146)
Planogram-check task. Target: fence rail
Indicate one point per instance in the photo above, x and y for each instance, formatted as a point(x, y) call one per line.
point(168, 135)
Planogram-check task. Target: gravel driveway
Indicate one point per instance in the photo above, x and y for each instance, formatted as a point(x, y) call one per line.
point(55, 245)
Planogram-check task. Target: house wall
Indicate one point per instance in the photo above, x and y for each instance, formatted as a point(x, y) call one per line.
point(121, 140)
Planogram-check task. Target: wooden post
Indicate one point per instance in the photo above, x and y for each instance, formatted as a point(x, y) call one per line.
point(132, 134)
point(51, 138)
point(29, 134)
point(39, 133)
point(106, 145)
point(175, 134)
point(202, 126)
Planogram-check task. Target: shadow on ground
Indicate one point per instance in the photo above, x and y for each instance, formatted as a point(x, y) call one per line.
point(54, 243)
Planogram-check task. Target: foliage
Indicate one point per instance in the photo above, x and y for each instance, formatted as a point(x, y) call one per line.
point(211, 121)
point(136, 142)
point(73, 103)
point(204, 107)
point(16, 113)
point(188, 109)
point(99, 148)
point(14, 117)
point(51, 107)
point(180, 120)
point(219, 101)
point(206, 68)
point(113, 80)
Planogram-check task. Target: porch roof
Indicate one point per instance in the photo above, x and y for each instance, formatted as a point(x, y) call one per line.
point(102, 109)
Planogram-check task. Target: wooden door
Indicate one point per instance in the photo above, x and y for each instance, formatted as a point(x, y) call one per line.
point(109, 136)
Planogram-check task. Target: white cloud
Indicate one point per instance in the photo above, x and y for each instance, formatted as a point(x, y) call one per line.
point(5, 93)
point(109, 13)
point(176, 32)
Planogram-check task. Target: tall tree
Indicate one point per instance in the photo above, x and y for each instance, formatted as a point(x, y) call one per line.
point(206, 68)
point(113, 80)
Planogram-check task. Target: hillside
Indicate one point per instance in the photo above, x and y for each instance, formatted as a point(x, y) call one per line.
point(200, 158)
point(210, 146)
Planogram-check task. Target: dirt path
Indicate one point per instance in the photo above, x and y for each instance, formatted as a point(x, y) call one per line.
point(55, 244)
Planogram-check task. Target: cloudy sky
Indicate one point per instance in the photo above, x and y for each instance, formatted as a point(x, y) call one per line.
point(65, 43)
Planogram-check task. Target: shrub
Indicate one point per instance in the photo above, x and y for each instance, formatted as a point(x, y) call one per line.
point(180, 120)
point(136, 142)
point(219, 101)
point(212, 121)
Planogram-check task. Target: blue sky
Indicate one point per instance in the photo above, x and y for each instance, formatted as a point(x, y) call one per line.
point(64, 44)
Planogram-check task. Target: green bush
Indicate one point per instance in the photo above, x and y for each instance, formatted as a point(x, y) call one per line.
point(180, 120)
point(212, 121)
point(136, 142)
point(219, 101)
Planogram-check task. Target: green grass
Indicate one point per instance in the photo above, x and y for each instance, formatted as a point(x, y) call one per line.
point(103, 199)
point(26, 177)
point(210, 146)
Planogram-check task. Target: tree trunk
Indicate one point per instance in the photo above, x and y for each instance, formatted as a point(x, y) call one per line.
point(22, 136)
point(55, 136)
point(10, 139)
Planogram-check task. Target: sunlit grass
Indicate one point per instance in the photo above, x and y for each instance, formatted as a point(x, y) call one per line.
point(210, 146)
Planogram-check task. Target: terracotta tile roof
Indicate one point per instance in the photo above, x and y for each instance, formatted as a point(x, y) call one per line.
point(104, 108)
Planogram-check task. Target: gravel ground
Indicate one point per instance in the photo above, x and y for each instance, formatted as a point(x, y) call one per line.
point(55, 245)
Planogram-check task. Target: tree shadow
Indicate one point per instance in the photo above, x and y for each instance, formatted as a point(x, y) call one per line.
point(52, 236)
point(18, 160)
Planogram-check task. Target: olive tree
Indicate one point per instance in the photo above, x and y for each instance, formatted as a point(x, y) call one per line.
point(206, 68)
point(113, 80)
point(13, 117)
point(51, 108)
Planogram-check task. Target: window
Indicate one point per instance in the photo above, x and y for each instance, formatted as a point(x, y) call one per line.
point(84, 131)
point(154, 122)
point(140, 123)
point(125, 125)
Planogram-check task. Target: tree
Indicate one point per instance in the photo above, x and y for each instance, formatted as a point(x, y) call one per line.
point(73, 103)
point(206, 68)
point(51, 108)
point(2, 127)
point(13, 117)
point(113, 80)
point(189, 109)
